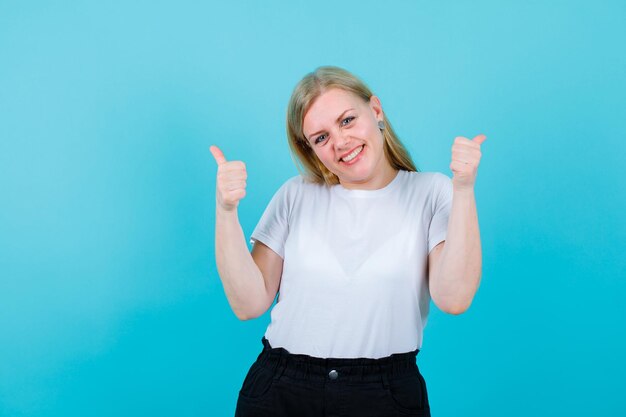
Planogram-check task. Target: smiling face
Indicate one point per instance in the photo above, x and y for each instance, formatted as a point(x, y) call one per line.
point(342, 130)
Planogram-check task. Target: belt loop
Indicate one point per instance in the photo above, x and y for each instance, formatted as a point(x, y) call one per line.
point(282, 365)
point(264, 352)
point(266, 343)
point(385, 380)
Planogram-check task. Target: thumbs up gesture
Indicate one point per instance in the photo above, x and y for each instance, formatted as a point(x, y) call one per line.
point(465, 159)
point(231, 180)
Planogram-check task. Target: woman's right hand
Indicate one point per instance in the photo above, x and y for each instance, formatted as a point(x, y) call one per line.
point(231, 180)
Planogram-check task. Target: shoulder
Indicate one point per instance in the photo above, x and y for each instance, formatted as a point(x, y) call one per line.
point(293, 182)
point(297, 187)
point(434, 180)
point(298, 182)
point(426, 188)
point(428, 176)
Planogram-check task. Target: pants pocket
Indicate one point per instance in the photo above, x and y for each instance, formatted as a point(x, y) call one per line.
point(408, 393)
point(257, 383)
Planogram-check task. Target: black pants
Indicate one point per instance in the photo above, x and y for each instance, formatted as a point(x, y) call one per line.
point(283, 384)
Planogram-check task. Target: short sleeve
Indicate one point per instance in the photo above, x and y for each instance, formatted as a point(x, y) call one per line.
point(441, 205)
point(273, 228)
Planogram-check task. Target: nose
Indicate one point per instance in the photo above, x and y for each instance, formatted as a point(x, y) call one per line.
point(341, 140)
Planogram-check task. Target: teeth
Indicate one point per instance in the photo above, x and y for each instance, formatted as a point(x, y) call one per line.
point(353, 154)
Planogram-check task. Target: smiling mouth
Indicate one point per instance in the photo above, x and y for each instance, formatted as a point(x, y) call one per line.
point(352, 154)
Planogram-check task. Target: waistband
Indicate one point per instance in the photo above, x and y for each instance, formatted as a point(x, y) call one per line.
point(351, 369)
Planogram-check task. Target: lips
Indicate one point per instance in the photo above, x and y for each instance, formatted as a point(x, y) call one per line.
point(349, 156)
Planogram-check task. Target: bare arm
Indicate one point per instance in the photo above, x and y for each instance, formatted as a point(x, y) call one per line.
point(455, 266)
point(250, 280)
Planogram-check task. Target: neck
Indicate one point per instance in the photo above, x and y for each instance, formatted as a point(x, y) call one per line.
point(380, 180)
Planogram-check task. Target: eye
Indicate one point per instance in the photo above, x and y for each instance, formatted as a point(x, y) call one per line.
point(320, 139)
point(347, 121)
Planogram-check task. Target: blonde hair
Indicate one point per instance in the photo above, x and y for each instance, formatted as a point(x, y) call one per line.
point(303, 96)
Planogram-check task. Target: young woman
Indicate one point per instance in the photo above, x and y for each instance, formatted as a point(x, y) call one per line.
point(356, 248)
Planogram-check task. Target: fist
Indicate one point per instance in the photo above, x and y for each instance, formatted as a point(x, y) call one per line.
point(231, 180)
point(465, 159)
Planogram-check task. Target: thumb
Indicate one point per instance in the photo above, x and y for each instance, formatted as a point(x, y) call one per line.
point(218, 155)
point(480, 139)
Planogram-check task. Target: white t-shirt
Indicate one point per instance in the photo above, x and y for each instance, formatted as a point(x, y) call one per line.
point(354, 280)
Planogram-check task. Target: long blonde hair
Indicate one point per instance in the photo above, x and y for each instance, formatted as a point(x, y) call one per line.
point(303, 96)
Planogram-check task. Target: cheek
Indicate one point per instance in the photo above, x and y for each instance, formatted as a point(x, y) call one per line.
point(328, 160)
point(324, 156)
point(366, 130)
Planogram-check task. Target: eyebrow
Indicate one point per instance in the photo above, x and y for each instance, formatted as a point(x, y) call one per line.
point(338, 119)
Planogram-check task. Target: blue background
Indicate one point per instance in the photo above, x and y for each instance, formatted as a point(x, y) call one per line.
point(110, 303)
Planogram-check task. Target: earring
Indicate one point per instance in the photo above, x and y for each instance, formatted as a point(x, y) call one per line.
point(381, 125)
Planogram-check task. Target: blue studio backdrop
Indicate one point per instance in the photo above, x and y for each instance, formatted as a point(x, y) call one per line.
point(110, 302)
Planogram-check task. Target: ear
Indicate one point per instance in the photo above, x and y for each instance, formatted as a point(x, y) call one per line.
point(377, 108)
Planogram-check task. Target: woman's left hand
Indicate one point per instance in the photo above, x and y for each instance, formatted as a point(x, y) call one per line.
point(465, 159)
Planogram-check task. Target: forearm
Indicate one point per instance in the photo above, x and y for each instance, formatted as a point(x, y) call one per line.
point(242, 279)
point(457, 275)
